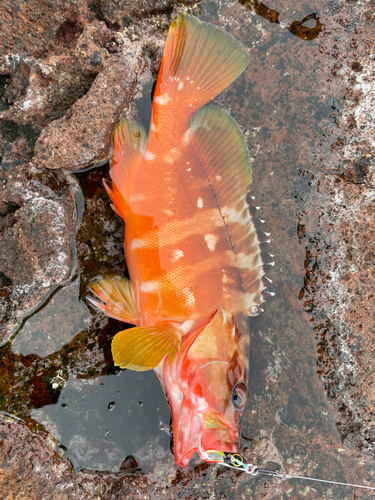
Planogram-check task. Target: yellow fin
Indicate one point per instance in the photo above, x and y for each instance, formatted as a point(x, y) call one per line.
point(199, 61)
point(142, 348)
point(116, 298)
point(129, 144)
point(225, 158)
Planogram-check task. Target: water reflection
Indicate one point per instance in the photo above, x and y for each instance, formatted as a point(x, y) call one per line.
point(100, 421)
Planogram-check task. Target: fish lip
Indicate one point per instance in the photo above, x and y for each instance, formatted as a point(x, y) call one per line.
point(183, 459)
point(184, 453)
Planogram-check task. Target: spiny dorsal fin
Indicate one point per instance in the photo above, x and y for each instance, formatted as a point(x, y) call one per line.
point(225, 158)
point(116, 298)
point(142, 348)
point(199, 61)
point(129, 144)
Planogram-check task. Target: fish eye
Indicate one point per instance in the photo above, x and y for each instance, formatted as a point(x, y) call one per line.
point(239, 396)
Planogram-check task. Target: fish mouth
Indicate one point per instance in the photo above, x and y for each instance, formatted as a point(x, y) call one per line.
point(218, 439)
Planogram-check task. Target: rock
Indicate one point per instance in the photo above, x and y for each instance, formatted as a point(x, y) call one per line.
point(119, 14)
point(309, 129)
point(88, 125)
point(35, 251)
point(52, 321)
point(32, 466)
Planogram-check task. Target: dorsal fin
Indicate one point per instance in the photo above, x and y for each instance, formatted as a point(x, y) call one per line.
point(129, 144)
point(225, 158)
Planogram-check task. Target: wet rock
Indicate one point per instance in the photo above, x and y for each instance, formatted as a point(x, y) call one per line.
point(88, 125)
point(32, 466)
point(35, 251)
point(52, 320)
point(340, 262)
point(62, 77)
point(119, 14)
point(67, 81)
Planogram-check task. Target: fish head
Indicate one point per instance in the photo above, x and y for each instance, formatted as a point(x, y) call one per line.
point(207, 389)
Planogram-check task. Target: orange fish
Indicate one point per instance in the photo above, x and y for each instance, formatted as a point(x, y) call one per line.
point(191, 247)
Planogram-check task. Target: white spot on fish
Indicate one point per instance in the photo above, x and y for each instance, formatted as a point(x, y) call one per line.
point(188, 169)
point(149, 156)
point(163, 99)
point(172, 155)
point(177, 254)
point(168, 212)
point(137, 243)
point(211, 241)
point(200, 203)
point(188, 78)
point(150, 286)
point(190, 299)
point(225, 278)
point(153, 127)
point(186, 137)
point(218, 178)
point(139, 197)
point(185, 327)
point(180, 85)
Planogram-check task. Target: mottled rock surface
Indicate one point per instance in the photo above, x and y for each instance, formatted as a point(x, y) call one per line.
point(305, 105)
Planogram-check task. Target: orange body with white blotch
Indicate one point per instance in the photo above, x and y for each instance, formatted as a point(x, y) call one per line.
point(191, 249)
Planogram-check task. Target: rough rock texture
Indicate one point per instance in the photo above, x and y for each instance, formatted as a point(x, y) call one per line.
point(82, 136)
point(33, 467)
point(305, 105)
point(35, 249)
point(340, 262)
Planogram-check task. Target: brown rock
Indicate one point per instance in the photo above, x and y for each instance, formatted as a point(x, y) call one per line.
point(83, 136)
point(32, 467)
point(35, 251)
point(119, 13)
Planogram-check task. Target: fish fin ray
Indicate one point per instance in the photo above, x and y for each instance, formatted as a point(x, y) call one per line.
point(116, 298)
point(222, 149)
point(129, 144)
point(142, 348)
point(199, 61)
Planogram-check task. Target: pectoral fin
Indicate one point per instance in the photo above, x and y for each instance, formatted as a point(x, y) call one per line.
point(116, 298)
point(142, 348)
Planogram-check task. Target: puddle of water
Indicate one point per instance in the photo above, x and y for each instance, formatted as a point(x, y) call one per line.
point(103, 420)
point(286, 114)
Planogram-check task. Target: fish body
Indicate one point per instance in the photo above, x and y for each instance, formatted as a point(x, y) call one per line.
point(191, 248)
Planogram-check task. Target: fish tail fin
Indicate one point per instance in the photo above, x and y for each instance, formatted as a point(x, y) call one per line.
point(199, 61)
point(129, 144)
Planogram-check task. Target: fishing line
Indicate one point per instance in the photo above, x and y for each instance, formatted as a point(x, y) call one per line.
point(238, 462)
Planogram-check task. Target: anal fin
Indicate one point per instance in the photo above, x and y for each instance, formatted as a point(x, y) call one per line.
point(142, 348)
point(116, 298)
